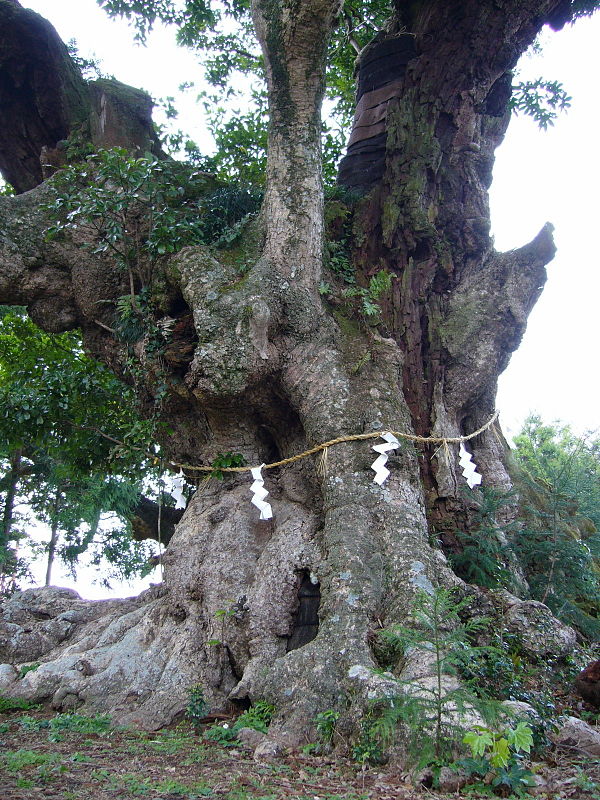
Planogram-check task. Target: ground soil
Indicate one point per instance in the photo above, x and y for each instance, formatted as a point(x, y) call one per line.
point(43, 755)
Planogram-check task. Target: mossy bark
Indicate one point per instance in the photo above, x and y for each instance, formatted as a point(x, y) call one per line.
point(458, 308)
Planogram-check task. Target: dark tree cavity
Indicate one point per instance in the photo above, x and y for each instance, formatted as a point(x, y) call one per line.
point(270, 369)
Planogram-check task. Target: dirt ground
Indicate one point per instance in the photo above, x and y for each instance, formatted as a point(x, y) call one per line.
point(57, 757)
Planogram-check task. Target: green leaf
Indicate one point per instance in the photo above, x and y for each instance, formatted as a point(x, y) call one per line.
point(500, 754)
point(521, 737)
point(478, 742)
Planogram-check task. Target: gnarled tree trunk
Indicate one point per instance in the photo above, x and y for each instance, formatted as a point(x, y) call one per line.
point(275, 372)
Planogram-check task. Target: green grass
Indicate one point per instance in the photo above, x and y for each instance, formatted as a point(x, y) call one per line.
point(16, 760)
point(10, 704)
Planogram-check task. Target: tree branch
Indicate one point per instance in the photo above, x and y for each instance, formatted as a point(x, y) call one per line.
point(145, 518)
point(42, 94)
point(487, 316)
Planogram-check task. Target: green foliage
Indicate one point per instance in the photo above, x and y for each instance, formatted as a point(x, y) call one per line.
point(71, 723)
point(584, 8)
point(559, 546)
point(140, 209)
point(498, 755)
point(484, 555)
point(240, 136)
point(496, 746)
point(357, 25)
point(225, 461)
point(194, 17)
point(369, 297)
point(89, 67)
point(233, 64)
point(338, 260)
point(6, 190)
point(556, 539)
point(10, 704)
point(197, 706)
point(222, 734)
point(258, 717)
point(498, 670)
point(585, 782)
point(16, 760)
point(430, 711)
point(376, 733)
point(540, 99)
point(52, 454)
point(326, 722)
point(226, 210)
point(28, 668)
point(80, 724)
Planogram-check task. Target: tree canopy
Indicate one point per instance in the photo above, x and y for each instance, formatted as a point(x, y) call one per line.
point(62, 417)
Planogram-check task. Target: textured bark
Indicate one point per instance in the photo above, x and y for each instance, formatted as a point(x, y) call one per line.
point(431, 111)
point(14, 476)
point(272, 373)
point(44, 101)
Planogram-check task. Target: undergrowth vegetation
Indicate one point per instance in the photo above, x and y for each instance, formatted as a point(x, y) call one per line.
point(455, 716)
point(141, 209)
point(542, 539)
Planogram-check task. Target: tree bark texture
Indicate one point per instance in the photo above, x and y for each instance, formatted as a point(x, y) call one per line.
point(44, 100)
point(275, 372)
point(13, 478)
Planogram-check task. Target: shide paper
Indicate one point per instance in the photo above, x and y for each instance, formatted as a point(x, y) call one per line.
point(259, 493)
point(381, 471)
point(176, 490)
point(470, 473)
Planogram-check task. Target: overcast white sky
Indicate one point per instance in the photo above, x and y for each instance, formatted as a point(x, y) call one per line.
point(539, 176)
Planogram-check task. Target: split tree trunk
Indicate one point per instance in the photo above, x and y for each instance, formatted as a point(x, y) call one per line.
point(275, 374)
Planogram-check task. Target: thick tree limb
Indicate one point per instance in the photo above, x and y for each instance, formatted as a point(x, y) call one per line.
point(487, 316)
point(145, 518)
point(294, 37)
point(44, 100)
point(42, 94)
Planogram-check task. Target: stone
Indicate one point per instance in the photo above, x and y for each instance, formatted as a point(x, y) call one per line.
point(8, 675)
point(539, 632)
point(451, 780)
point(251, 737)
point(578, 737)
point(267, 751)
point(539, 787)
point(516, 709)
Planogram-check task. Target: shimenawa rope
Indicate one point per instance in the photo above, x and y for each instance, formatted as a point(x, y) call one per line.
point(443, 441)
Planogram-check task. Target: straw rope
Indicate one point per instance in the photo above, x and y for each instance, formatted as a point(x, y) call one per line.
point(443, 441)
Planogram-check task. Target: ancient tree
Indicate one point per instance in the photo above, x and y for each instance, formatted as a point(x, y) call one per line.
point(273, 367)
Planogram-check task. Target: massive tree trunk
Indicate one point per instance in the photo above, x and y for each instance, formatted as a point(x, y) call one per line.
point(275, 372)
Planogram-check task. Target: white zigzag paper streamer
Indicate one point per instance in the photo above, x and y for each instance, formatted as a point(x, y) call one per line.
point(259, 494)
point(381, 471)
point(176, 490)
point(473, 478)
